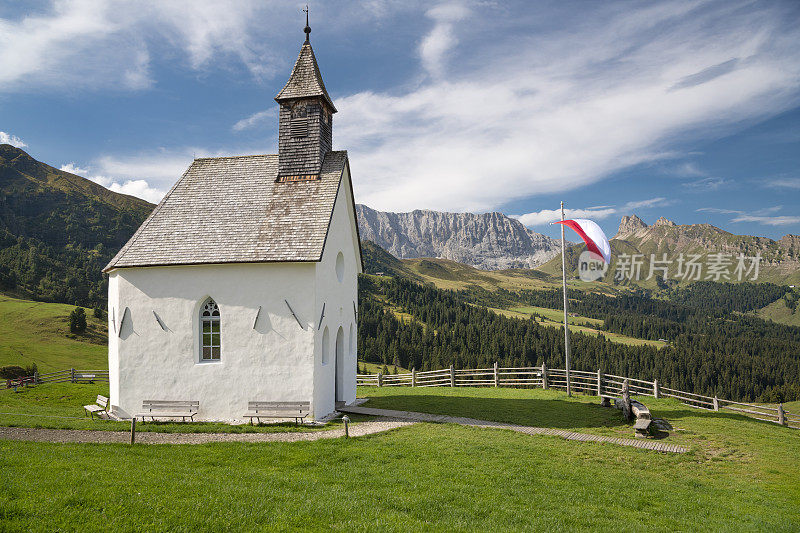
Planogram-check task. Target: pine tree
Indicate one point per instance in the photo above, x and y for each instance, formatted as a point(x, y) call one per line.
point(77, 320)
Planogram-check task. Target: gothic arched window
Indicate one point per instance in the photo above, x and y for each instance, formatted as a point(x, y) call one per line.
point(209, 331)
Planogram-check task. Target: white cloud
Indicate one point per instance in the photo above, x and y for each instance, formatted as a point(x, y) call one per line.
point(686, 170)
point(707, 184)
point(139, 188)
point(644, 204)
point(160, 167)
point(441, 39)
point(87, 44)
point(777, 183)
point(72, 168)
point(13, 140)
point(769, 221)
point(545, 216)
point(147, 174)
point(760, 216)
point(557, 110)
point(255, 119)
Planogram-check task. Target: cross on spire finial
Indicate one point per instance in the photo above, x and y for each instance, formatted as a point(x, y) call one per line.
point(307, 29)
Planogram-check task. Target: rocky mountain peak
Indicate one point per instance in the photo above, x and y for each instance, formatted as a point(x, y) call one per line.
point(489, 241)
point(630, 225)
point(664, 222)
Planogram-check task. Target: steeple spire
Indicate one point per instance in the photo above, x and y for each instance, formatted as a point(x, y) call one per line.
point(307, 29)
point(305, 119)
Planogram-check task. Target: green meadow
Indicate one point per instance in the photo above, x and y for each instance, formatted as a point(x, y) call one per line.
point(38, 332)
point(739, 475)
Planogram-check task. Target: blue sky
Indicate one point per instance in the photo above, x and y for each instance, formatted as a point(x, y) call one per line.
point(688, 110)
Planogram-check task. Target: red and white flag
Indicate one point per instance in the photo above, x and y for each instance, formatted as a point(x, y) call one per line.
point(596, 241)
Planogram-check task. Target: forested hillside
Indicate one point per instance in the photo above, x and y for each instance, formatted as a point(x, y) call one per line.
point(58, 230)
point(721, 353)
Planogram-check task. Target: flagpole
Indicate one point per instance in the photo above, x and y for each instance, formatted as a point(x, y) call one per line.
point(564, 280)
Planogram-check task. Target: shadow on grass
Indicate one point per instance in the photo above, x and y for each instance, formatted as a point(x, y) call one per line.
point(552, 413)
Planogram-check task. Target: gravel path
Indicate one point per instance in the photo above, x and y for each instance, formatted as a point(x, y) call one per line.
point(528, 430)
point(149, 437)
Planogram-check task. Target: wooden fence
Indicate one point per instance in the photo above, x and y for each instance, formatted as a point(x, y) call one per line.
point(70, 375)
point(595, 383)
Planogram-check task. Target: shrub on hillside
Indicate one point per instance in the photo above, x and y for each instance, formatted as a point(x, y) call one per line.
point(16, 372)
point(98, 313)
point(77, 320)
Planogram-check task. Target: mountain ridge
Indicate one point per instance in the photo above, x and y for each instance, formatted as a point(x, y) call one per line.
point(57, 230)
point(779, 259)
point(488, 241)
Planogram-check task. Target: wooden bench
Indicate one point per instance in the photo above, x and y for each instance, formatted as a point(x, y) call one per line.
point(182, 409)
point(259, 410)
point(80, 377)
point(100, 406)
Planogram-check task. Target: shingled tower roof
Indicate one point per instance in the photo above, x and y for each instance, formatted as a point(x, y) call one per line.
point(305, 80)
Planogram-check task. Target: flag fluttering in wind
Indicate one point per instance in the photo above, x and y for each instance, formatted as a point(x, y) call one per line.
point(596, 241)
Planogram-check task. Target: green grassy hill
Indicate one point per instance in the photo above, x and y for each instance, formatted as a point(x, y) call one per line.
point(38, 332)
point(58, 230)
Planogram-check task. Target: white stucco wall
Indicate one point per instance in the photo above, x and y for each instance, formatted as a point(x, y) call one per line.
point(338, 298)
point(273, 362)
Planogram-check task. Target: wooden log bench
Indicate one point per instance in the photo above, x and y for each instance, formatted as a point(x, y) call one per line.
point(100, 407)
point(182, 409)
point(259, 410)
point(643, 419)
point(642, 428)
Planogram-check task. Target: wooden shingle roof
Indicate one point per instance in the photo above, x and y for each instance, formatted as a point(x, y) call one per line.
point(305, 80)
point(232, 210)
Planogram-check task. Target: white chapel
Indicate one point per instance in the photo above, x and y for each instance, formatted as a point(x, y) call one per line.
point(242, 283)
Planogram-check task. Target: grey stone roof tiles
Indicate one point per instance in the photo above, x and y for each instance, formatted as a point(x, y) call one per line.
point(232, 210)
point(305, 80)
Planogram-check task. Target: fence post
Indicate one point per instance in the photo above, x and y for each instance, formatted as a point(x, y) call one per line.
point(72, 374)
point(380, 379)
point(626, 400)
point(496, 376)
point(452, 376)
point(781, 415)
point(544, 376)
point(413, 377)
point(656, 391)
point(716, 404)
point(599, 383)
point(36, 377)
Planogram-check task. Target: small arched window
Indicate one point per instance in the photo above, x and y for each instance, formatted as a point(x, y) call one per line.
point(340, 266)
point(209, 331)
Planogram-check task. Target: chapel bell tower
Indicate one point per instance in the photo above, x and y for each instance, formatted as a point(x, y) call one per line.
point(305, 119)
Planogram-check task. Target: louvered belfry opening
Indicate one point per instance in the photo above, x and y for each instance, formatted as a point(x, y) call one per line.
point(305, 121)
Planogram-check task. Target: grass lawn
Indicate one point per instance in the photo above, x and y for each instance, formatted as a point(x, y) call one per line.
point(38, 332)
point(704, 431)
point(740, 475)
point(60, 406)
